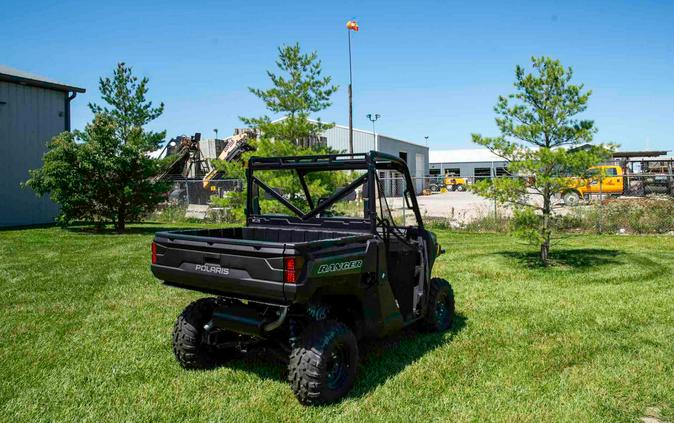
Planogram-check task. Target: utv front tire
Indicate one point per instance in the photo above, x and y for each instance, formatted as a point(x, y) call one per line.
point(323, 365)
point(188, 346)
point(440, 311)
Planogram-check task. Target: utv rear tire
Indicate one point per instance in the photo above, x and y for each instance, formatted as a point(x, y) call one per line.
point(323, 365)
point(440, 311)
point(188, 346)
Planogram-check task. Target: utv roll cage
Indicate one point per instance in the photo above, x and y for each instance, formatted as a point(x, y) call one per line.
point(369, 162)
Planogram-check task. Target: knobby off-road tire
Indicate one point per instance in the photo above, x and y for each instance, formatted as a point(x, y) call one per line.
point(323, 365)
point(440, 311)
point(188, 346)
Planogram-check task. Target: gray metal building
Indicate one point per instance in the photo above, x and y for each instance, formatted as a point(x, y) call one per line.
point(32, 111)
point(467, 163)
point(415, 155)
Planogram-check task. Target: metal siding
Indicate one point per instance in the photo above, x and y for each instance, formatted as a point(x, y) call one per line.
point(28, 120)
point(394, 147)
point(338, 138)
point(468, 168)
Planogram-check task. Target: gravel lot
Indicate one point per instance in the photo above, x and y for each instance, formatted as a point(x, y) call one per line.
point(462, 206)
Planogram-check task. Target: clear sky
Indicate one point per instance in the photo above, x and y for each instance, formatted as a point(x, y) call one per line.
point(430, 68)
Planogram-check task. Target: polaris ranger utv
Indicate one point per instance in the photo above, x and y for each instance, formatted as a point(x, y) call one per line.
point(307, 283)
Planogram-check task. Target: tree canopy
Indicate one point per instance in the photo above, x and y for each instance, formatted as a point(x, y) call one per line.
point(545, 142)
point(103, 173)
point(298, 90)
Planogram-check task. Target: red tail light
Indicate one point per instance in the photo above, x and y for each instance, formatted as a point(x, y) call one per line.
point(292, 266)
point(154, 253)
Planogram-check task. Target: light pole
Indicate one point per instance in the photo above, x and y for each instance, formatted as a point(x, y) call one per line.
point(351, 25)
point(216, 133)
point(426, 138)
point(373, 119)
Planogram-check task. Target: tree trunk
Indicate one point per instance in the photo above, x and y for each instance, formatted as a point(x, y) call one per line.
point(120, 223)
point(545, 251)
point(546, 231)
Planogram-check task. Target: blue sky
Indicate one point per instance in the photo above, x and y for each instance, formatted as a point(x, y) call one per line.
point(430, 68)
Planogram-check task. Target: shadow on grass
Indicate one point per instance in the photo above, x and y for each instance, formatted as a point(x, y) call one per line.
point(380, 359)
point(578, 258)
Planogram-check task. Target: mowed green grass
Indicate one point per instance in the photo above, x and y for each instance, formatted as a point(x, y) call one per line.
point(85, 335)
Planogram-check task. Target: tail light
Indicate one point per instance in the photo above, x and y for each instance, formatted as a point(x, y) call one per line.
point(154, 253)
point(292, 266)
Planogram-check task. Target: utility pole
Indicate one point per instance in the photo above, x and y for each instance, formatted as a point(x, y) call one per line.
point(373, 119)
point(351, 25)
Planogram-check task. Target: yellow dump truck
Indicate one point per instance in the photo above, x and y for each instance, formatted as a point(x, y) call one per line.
point(604, 179)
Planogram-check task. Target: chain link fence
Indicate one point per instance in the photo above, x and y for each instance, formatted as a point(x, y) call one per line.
point(200, 192)
point(443, 198)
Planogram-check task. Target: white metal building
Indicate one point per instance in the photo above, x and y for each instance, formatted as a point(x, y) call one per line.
point(467, 163)
point(415, 155)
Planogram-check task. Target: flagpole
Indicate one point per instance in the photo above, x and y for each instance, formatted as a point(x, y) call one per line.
point(350, 98)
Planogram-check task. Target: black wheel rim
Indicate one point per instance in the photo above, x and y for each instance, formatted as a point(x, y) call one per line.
point(337, 366)
point(442, 312)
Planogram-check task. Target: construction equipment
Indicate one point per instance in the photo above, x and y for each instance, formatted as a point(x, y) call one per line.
point(454, 183)
point(235, 146)
point(188, 162)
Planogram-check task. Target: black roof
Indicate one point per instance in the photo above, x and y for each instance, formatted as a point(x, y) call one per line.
point(24, 78)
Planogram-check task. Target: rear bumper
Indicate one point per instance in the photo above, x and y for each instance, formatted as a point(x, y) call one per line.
point(240, 285)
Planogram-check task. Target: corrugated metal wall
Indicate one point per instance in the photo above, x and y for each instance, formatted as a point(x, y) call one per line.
point(467, 169)
point(29, 118)
point(338, 138)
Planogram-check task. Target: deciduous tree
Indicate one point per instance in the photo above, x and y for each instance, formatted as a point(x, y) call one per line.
point(103, 173)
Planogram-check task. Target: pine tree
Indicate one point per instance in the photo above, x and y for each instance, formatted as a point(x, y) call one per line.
point(540, 136)
point(297, 91)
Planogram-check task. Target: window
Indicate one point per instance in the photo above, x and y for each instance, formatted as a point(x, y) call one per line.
point(434, 172)
point(482, 172)
point(501, 171)
point(611, 171)
point(453, 171)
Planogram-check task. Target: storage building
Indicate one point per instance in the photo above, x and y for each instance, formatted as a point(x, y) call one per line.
point(33, 109)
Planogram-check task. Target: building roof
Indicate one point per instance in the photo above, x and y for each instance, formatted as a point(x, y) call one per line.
point(364, 131)
point(25, 78)
point(468, 155)
point(634, 154)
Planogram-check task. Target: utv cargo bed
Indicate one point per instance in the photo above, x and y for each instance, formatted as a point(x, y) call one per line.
point(242, 261)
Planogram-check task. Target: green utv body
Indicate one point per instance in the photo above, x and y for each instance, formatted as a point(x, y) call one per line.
point(308, 285)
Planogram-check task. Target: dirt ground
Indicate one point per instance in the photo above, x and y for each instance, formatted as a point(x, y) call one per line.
point(461, 206)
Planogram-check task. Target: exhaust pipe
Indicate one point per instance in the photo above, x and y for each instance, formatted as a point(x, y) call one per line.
point(246, 320)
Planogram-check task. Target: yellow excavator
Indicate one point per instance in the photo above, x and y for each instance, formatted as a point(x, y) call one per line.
point(236, 146)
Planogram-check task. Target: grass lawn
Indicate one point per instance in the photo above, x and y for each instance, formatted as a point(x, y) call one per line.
point(85, 336)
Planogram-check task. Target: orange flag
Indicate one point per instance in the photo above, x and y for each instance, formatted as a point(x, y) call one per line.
point(352, 25)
